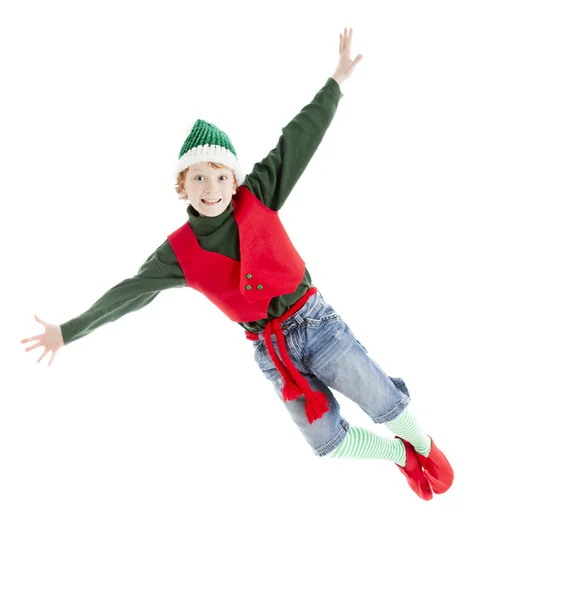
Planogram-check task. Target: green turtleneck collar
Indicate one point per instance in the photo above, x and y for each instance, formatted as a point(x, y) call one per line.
point(203, 225)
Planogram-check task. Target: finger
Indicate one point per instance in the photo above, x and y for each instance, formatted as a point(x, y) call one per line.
point(345, 42)
point(349, 43)
point(340, 45)
point(52, 357)
point(36, 346)
point(41, 357)
point(39, 320)
point(29, 339)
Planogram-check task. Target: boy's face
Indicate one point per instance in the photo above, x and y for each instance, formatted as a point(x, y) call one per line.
point(205, 182)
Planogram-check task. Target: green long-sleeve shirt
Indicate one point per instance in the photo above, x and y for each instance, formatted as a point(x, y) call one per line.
point(271, 181)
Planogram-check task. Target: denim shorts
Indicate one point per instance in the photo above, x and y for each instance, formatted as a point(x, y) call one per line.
point(328, 354)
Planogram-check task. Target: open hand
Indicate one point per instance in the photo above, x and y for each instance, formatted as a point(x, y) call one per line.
point(346, 65)
point(51, 339)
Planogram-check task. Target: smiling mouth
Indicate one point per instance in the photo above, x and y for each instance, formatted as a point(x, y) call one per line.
point(213, 202)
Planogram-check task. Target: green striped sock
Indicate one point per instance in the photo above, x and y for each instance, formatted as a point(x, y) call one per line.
point(360, 443)
point(405, 426)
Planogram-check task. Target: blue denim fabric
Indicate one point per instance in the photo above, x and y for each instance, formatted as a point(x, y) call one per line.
point(326, 352)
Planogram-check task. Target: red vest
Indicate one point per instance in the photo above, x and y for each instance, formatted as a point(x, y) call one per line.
point(269, 264)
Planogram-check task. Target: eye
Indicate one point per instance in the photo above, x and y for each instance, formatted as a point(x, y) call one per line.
point(225, 176)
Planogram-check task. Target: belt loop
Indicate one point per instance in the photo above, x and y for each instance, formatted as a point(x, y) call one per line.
point(314, 300)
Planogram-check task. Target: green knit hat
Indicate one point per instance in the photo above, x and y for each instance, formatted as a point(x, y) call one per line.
point(207, 143)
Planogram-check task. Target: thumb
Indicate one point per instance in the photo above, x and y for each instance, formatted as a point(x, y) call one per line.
point(354, 63)
point(39, 320)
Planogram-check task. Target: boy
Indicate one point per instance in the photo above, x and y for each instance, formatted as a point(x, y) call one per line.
point(235, 250)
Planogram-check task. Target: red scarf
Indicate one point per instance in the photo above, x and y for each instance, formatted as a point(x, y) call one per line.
point(296, 385)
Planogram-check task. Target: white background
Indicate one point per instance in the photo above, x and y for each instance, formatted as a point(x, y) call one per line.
point(152, 459)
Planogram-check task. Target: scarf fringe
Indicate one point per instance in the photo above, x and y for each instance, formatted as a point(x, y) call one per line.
point(316, 405)
point(295, 385)
point(291, 390)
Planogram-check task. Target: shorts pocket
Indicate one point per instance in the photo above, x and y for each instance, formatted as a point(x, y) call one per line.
point(257, 349)
point(314, 323)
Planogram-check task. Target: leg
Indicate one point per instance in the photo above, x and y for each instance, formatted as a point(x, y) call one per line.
point(408, 428)
point(340, 361)
point(324, 434)
point(331, 434)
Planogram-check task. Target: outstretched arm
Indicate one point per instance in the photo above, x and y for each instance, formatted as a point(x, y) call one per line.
point(273, 179)
point(159, 272)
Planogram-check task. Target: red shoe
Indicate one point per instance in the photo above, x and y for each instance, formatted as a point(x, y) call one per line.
point(414, 473)
point(436, 469)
